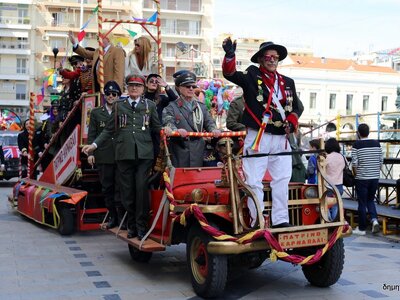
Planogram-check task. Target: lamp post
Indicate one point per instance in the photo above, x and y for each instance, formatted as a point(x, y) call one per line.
point(55, 52)
point(185, 48)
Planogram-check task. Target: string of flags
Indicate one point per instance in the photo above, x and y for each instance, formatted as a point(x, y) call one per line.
point(82, 32)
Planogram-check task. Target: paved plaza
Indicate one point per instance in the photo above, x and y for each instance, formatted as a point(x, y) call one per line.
point(37, 263)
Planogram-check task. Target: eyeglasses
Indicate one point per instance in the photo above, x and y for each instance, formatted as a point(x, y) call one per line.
point(111, 93)
point(153, 81)
point(137, 45)
point(190, 86)
point(271, 57)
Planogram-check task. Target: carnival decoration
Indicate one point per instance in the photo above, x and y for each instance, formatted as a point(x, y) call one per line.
point(9, 120)
point(217, 96)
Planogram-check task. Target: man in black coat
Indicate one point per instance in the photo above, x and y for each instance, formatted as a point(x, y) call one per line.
point(271, 113)
point(23, 142)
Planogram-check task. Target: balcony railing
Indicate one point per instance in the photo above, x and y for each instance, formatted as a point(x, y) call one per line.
point(14, 20)
point(94, 2)
point(14, 45)
point(172, 31)
point(15, 70)
point(14, 95)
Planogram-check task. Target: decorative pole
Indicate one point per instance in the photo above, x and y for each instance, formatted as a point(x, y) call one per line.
point(101, 46)
point(31, 131)
point(160, 66)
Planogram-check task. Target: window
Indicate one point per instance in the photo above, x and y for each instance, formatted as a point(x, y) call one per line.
point(332, 101)
point(22, 43)
point(195, 5)
point(169, 71)
point(183, 5)
point(169, 50)
point(365, 102)
point(168, 26)
point(186, 5)
point(151, 3)
point(194, 27)
point(171, 4)
point(20, 91)
point(384, 103)
point(23, 15)
point(349, 104)
point(182, 27)
point(58, 19)
point(21, 66)
point(313, 100)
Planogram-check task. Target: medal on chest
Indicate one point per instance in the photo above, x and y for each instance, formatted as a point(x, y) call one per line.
point(260, 97)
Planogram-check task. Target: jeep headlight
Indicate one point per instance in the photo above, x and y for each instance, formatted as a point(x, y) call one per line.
point(311, 192)
point(198, 195)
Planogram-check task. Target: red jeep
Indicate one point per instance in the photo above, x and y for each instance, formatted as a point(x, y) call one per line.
point(206, 208)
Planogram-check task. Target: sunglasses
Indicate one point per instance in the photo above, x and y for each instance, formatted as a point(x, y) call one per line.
point(111, 93)
point(137, 45)
point(153, 81)
point(271, 57)
point(190, 86)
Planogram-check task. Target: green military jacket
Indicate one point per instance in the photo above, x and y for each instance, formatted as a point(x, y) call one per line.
point(99, 117)
point(131, 129)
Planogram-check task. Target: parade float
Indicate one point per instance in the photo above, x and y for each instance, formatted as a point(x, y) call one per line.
point(205, 208)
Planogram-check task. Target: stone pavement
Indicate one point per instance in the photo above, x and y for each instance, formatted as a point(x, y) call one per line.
point(37, 263)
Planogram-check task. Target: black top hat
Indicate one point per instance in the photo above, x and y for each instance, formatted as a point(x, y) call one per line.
point(282, 51)
point(112, 87)
point(185, 78)
point(74, 59)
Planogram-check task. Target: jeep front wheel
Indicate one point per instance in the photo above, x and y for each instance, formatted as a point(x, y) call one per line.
point(208, 272)
point(327, 271)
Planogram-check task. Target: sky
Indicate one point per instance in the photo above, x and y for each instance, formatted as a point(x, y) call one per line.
point(332, 28)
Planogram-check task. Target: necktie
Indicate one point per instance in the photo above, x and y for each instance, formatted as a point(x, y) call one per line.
point(133, 104)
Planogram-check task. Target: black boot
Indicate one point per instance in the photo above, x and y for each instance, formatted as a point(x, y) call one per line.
point(132, 231)
point(113, 218)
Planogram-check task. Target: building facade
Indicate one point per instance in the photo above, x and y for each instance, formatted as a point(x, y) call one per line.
point(31, 29)
point(329, 87)
point(16, 65)
point(186, 29)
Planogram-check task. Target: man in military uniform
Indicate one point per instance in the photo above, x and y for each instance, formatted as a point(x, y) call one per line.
point(184, 115)
point(272, 109)
point(131, 124)
point(103, 156)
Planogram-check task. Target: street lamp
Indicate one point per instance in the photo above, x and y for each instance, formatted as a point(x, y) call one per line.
point(185, 48)
point(55, 52)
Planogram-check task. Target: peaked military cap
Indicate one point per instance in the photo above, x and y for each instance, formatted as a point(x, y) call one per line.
point(185, 78)
point(134, 79)
point(112, 87)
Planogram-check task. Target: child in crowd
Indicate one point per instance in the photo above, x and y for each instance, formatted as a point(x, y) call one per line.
point(312, 163)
